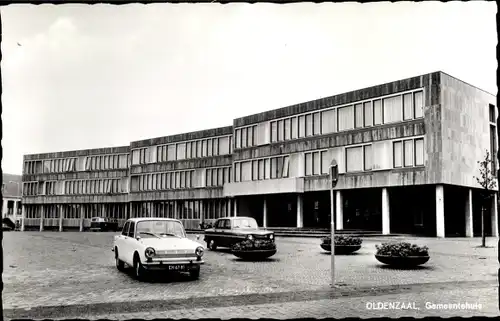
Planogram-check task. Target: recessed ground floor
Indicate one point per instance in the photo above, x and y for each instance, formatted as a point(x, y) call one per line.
point(426, 210)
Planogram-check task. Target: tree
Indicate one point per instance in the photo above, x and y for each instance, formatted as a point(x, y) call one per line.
point(488, 181)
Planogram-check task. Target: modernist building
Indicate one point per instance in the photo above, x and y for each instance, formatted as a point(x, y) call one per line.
point(407, 153)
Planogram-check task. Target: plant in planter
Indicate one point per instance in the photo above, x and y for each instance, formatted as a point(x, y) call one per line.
point(343, 244)
point(254, 249)
point(402, 254)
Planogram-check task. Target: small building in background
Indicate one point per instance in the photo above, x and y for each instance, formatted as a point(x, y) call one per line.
point(11, 197)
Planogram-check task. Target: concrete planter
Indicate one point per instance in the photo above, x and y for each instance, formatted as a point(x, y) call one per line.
point(254, 255)
point(402, 261)
point(341, 249)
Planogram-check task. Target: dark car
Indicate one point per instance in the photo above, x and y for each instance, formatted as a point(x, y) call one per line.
point(103, 224)
point(231, 230)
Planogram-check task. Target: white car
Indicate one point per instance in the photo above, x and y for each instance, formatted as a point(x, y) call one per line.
point(157, 243)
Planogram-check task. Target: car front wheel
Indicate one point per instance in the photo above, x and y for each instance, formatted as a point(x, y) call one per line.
point(140, 272)
point(195, 274)
point(211, 245)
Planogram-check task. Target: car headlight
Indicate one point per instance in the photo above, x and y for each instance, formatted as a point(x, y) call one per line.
point(199, 251)
point(271, 236)
point(250, 236)
point(150, 252)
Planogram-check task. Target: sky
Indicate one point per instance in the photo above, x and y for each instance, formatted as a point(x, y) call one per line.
point(91, 76)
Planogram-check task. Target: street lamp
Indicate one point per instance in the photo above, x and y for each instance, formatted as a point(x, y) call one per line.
point(334, 173)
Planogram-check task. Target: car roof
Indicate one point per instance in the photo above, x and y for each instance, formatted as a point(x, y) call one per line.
point(235, 217)
point(137, 219)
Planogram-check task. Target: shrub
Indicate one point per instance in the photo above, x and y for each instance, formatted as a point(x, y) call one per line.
point(343, 240)
point(251, 245)
point(402, 249)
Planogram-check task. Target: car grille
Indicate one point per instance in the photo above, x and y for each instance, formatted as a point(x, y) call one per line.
point(180, 254)
point(261, 237)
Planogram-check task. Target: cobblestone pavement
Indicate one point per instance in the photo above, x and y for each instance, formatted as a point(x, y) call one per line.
point(73, 269)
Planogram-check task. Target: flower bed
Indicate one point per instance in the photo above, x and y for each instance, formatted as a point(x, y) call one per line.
point(254, 249)
point(343, 244)
point(402, 254)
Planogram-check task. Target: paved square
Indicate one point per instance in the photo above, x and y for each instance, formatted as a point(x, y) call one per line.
point(72, 274)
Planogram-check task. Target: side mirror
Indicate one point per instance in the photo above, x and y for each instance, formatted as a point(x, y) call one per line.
point(137, 238)
point(197, 237)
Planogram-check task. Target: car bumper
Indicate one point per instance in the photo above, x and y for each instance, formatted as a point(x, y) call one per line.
point(173, 265)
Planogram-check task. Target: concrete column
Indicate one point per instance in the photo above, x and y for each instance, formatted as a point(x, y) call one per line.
point(300, 211)
point(494, 215)
point(23, 216)
point(386, 212)
point(4, 208)
point(42, 216)
point(339, 211)
point(469, 228)
point(235, 203)
point(82, 216)
point(440, 211)
point(264, 214)
point(176, 211)
point(14, 213)
point(61, 210)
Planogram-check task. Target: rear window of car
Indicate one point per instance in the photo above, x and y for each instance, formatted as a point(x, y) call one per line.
point(131, 229)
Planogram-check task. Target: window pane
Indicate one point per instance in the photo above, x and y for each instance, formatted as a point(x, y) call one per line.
point(308, 163)
point(250, 136)
point(168, 180)
point(181, 151)
point(243, 137)
point(220, 176)
point(419, 104)
point(246, 171)
point(237, 172)
point(177, 179)
point(224, 145)
point(274, 167)
point(328, 123)
point(393, 111)
point(346, 118)
point(325, 162)
point(188, 150)
point(295, 128)
point(182, 179)
point(368, 113)
point(153, 184)
point(267, 168)
point(274, 131)
point(407, 106)
point(317, 123)
point(288, 128)
point(368, 157)
point(354, 159)
point(261, 169)
point(286, 166)
point(377, 112)
point(316, 163)
point(198, 148)
point(398, 154)
point(419, 151)
point(150, 182)
point(281, 132)
point(171, 152)
point(255, 170)
point(208, 178)
point(204, 148)
point(193, 149)
point(302, 126)
point(408, 152)
point(358, 109)
point(209, 147)
point(309, 125)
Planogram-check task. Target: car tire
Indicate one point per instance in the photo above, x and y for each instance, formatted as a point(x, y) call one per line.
point(212, 245)
point(195, 274)
point(139, 270)
point(120, 265)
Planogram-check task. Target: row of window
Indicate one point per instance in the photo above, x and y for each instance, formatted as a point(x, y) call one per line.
point(374, 112)
point(162, 181)
point(106, 162)
point(96, 186)
point(408, 153)
point(118, 211)
point(178, 151)
point(261, 169)
point(246, 137)
point(195, 209)
point(217, 176)
point(59, 165)
point(33, 167)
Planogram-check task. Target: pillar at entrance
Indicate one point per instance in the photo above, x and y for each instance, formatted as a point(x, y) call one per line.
point(82, 215)
point(339, 211)
point(235, 203)
point(469, 228)
point(386, 212)
point(14, 214)
point(23, 216)
point(42, 216)
point(61, 216)
point(440, 211)
point(494, 215)
point(300, 211)
point(264, 214)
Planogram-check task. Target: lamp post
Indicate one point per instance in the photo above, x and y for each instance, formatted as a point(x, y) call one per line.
point(334, 173)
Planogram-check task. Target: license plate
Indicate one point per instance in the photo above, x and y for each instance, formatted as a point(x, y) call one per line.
point(176, 267)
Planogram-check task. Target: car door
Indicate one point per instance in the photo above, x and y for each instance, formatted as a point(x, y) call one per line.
point(129, 244)
point(225, 232)
point(120, 241)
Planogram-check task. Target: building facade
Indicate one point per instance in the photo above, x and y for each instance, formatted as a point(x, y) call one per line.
point(407, 154)
point(12, 197)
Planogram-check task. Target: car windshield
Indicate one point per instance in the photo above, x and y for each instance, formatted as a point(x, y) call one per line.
point(245, 223)
point(160, 228)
